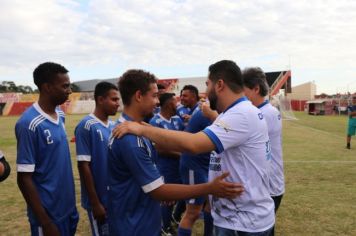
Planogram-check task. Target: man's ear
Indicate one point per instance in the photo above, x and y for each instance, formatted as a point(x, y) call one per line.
point(138, 96)
point(219, 85)
point(256, 89)
point(100, 99)
point(46, 87)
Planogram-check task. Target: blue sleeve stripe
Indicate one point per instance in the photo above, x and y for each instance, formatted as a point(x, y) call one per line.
point(218, 145)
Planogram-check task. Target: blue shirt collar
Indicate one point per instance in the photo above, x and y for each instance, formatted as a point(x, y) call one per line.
point(262, 104)
point(192, 110)
point(126, 117)
point(236, 102)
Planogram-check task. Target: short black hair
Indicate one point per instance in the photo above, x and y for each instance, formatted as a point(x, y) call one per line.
point(254, 76)
point(102, 89)
point(132, 81)
point(160, 86)
point(165, 97)
point(229, 72)
point(46, 72)
point(192, 89)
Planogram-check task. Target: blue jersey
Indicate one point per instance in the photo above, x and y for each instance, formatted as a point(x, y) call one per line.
point(194, 109)
point(91, 138)
point(182, 110)
point(167, 165)
point(42, 148)
point(350, 109)
point(132, 175)
point(157, 110)
point(197, 123)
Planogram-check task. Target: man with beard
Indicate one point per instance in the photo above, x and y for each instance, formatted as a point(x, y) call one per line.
point(189, 98)
point(135, 184)
point(44, 169)
point(92, 136)
point(239, 141)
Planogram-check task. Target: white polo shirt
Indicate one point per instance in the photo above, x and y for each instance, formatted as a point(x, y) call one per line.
point(242, 146)
point(274, 124)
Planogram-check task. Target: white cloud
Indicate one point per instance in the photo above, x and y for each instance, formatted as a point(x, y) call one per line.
point(316, 35)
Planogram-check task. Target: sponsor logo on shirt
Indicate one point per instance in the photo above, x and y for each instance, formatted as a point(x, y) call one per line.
point(221, 124)
point(215, 162)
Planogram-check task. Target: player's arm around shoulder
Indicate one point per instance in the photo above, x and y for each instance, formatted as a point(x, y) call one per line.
point(175, 140)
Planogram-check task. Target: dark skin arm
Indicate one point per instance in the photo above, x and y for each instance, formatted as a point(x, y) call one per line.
point(29, 192)
point(167, 153)
point(218, 187)
point(86, 178)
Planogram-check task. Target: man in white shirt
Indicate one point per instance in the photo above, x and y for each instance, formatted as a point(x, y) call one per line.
point(256, 89)
point(239, 139)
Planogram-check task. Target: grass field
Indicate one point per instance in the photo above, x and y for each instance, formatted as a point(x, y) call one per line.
point(320, 196)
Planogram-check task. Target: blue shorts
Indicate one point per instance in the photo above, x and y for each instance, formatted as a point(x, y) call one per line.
point(67, 226)
point(191, 177)
point(96, 228)
point(351, 128)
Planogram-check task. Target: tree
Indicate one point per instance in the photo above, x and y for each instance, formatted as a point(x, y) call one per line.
point(10, 87)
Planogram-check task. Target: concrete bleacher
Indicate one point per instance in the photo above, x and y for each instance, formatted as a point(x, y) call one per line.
point(18, 108)
point(17, 103)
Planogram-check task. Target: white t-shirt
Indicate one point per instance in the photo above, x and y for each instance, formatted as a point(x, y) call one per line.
point(242, 146)
point(274, 124)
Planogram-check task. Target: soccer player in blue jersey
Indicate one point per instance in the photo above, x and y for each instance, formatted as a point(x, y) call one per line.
point(351, 126)
point(239, 142)
point(182, 110)
point(189, 98)
point(168, 161)
point(44, 170)
point(135, 184)
point(194, 170)
point(4, 167)
point(92, 135)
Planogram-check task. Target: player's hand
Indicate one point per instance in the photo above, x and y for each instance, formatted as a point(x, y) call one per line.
point(168, 203)
point(207, 111)
point(99, 213)
point(186, 117)
point(50, 229)
point(127, 127)
point(221, 188)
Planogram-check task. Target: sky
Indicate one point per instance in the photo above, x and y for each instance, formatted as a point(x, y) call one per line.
point(99, 39)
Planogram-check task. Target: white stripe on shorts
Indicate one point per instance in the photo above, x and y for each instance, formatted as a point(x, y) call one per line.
point(95, 224)
point(191, 182)
point(40, 231)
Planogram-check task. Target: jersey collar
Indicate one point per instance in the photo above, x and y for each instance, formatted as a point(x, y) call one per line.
point(236, 102)
point(124, 117)
point(100, 121)
point(48, 117)
point(195, 107)
point(263, 104)
point(162, 117)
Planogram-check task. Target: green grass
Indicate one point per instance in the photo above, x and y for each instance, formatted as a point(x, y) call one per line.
point(320, 179)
